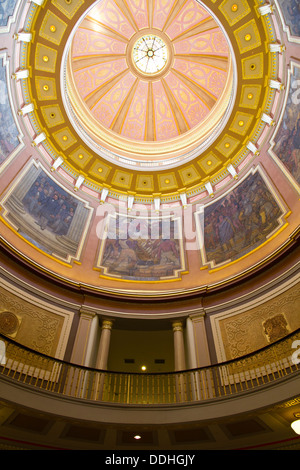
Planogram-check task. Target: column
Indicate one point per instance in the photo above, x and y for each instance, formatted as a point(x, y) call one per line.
point(179, 359)
point(199, 356)
point(198, 340)
point(179, 352)
point(79, 380)
point(101, 388)
point(104, 344)
point(85, 339)
point(92, 342)
point(90, 355)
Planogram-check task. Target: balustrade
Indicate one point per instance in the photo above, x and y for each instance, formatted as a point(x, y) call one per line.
point(259, 369)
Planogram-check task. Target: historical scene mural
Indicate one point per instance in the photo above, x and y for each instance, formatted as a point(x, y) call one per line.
point(9, 133)
point(291, 13)
point(46, 215)
point(7, 8)
point(287, 140)
point(239, 222)
point(138, 248)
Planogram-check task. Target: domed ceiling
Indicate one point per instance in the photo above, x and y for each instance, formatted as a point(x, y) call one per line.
point(149, 84)
point(149, 147)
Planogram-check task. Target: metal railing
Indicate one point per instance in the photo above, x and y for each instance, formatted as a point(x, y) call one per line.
point(261, 368)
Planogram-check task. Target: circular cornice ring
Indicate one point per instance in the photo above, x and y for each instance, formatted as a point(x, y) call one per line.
point(154, 153)
point(249, 35)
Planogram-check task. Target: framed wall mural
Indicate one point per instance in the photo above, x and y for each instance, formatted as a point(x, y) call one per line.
point(10, 133)
point(8, 9)
point(141, 249)
point(46, 215)
point(239, 222)
point(285, 147)
point(290, 16)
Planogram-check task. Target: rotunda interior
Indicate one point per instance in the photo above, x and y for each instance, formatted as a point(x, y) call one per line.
point(149, 224)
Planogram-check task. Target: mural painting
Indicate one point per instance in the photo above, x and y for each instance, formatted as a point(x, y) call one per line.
point(291, 14)
point(287, 139)
point(7, 8)
point(241, 221)
point(9, 133)
point(136, 254)
point(46, 215)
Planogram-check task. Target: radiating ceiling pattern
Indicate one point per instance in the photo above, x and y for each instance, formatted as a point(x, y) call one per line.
point(119, 87)
point(199, 142)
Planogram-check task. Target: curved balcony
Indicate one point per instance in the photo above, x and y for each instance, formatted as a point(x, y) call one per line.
point(264, 368)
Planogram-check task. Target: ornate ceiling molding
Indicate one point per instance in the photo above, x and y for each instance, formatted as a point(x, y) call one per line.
point(250, 31)
point(239, 166)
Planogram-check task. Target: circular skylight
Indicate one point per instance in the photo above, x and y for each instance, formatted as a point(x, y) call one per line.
point(150, 54)
point(150, 94)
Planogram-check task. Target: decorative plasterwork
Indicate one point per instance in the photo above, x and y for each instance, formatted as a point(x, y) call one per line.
point(149, 119)
point(241, 330)
point(238, 153)
point(249, 34)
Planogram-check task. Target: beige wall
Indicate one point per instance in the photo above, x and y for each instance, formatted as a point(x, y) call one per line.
point(256, 327)
point(33, 326)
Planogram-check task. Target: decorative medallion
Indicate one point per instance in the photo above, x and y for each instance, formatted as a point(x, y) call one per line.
point(9, 323)
point(276, 327)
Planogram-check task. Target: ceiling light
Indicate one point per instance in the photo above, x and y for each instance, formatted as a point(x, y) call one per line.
point(143, 367)
point(296, 426)
point(137, 437)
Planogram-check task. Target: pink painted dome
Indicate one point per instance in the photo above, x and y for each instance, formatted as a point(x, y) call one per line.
point(146, 75)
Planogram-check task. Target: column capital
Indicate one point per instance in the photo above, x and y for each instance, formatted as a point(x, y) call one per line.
point(177, 325)
point(107, 324)
point(196, 316)
point(87, 314)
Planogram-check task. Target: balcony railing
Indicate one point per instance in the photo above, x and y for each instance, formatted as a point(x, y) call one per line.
point(266, 366)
